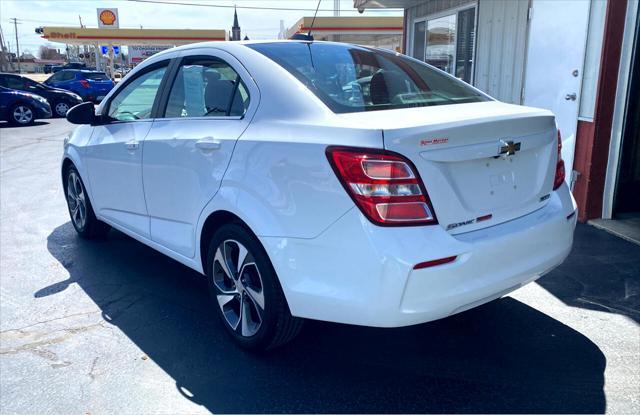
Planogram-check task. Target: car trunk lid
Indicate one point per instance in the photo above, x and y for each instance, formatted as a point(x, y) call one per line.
point(481, 163)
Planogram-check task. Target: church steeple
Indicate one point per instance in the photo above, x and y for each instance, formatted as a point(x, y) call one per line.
point(235, 30)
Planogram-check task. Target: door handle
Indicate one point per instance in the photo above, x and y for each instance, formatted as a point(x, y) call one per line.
point(207, 144)
point(571, 97)
point(132, 145)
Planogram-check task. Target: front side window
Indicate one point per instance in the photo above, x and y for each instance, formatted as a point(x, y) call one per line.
point(135, 100)
point(206, 86)
point(56, 77)
point(67, 76)
point(349, 78)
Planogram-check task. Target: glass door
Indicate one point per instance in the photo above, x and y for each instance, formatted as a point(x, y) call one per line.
point(447, 42)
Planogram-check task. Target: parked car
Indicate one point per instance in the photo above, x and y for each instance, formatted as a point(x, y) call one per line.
point(70, 65)
point(59, 99)
point(90, 85)
point(299, 193)
point(22, 108)
point(47, 68)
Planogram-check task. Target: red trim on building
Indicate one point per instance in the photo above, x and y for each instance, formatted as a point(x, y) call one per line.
point(142, 38)
point(350, 29)
point(592, 140)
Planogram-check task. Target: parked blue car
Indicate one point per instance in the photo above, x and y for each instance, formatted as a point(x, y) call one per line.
point(90, 85)
point(22, 108)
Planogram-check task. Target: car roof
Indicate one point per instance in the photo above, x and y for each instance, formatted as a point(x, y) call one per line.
point(81, 71)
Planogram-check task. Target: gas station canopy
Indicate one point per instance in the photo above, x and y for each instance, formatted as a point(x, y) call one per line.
point(380, 31)
point(93, 36)
point(349, 25)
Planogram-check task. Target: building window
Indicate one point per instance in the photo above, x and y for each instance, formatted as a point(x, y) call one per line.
point(419, 40)
point(447, 42)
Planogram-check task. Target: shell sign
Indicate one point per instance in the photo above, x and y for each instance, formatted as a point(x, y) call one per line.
point(108, 19)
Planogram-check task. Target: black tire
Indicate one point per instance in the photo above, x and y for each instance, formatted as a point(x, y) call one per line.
point(57, 108)
point(15, 120)
point(90, 227)
point(277, 325)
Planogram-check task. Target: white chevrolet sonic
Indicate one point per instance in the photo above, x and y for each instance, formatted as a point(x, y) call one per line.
point(322, 180)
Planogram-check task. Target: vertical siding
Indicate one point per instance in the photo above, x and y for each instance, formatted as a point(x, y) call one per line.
point(501, 48)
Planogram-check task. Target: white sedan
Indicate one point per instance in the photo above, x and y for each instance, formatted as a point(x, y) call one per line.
point(318, 180)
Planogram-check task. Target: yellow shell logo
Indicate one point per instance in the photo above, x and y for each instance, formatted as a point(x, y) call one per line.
point(107, 17)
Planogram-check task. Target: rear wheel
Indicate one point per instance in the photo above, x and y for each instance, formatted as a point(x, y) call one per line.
point(82, 216)
point(22, 114)
point(246, 292)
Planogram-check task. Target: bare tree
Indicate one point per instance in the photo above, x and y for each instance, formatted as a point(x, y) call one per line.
point(46, 52)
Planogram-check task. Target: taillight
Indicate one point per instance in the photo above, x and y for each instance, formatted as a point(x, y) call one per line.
point(560, 173)
point(384, 185)
point(84, 83)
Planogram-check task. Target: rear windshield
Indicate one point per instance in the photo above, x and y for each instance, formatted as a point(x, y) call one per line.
point(96, 76)
point(349, 78)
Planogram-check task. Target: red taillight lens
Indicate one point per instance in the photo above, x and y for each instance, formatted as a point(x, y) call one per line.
point(384, 185)
point(560, 173)
point(84, 83)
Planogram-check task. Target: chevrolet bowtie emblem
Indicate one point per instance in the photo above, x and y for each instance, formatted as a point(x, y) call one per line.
point(508, 147)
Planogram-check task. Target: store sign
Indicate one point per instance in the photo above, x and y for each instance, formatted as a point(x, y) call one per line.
point(60, 35)
point(138, 53)
point(108, 19)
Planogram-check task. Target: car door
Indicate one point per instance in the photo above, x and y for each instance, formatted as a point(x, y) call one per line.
point(207, 106)
point(114, 152)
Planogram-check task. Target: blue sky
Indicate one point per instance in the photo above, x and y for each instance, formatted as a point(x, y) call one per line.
point(257, 24)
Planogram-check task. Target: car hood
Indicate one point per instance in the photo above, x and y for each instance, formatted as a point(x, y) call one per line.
point(23, 94)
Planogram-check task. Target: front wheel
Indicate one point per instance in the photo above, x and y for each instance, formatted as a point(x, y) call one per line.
point(246, 292)
point(60, 108)
point(82, 216)
point(22, 114)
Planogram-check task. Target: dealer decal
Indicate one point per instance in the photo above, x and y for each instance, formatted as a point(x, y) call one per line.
point(432, 141)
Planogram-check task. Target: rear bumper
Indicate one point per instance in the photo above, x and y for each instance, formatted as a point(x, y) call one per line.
point(359, 273)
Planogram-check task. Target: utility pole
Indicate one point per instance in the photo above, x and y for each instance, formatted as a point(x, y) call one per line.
point(4, 61)
point(15, 27)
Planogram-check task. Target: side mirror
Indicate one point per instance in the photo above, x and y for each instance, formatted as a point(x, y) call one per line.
point(84, 113)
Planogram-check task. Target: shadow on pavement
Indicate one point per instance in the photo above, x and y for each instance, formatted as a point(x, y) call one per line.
point(602, 273)
point(34, 124)
point(502, 357)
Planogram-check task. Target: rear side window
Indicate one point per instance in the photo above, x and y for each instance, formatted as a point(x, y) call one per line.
point(14, 82)
point(349, 78)
point(135, 100)
point(96, 76)
point(206, 87)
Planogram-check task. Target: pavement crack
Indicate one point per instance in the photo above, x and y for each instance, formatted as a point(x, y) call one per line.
point(22, 329)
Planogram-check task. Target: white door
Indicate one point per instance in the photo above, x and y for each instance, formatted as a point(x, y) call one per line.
point(555, 58)
point(189, 147)
point(114, 153)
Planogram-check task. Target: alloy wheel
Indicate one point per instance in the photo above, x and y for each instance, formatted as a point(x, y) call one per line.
point(77, 200)
point(62, 108)
point(239, 288)
point(22, 114)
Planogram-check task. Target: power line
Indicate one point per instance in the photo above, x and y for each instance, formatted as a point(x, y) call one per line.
point(222, 6)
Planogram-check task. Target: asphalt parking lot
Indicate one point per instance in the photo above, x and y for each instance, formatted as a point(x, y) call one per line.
point(114, 327)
